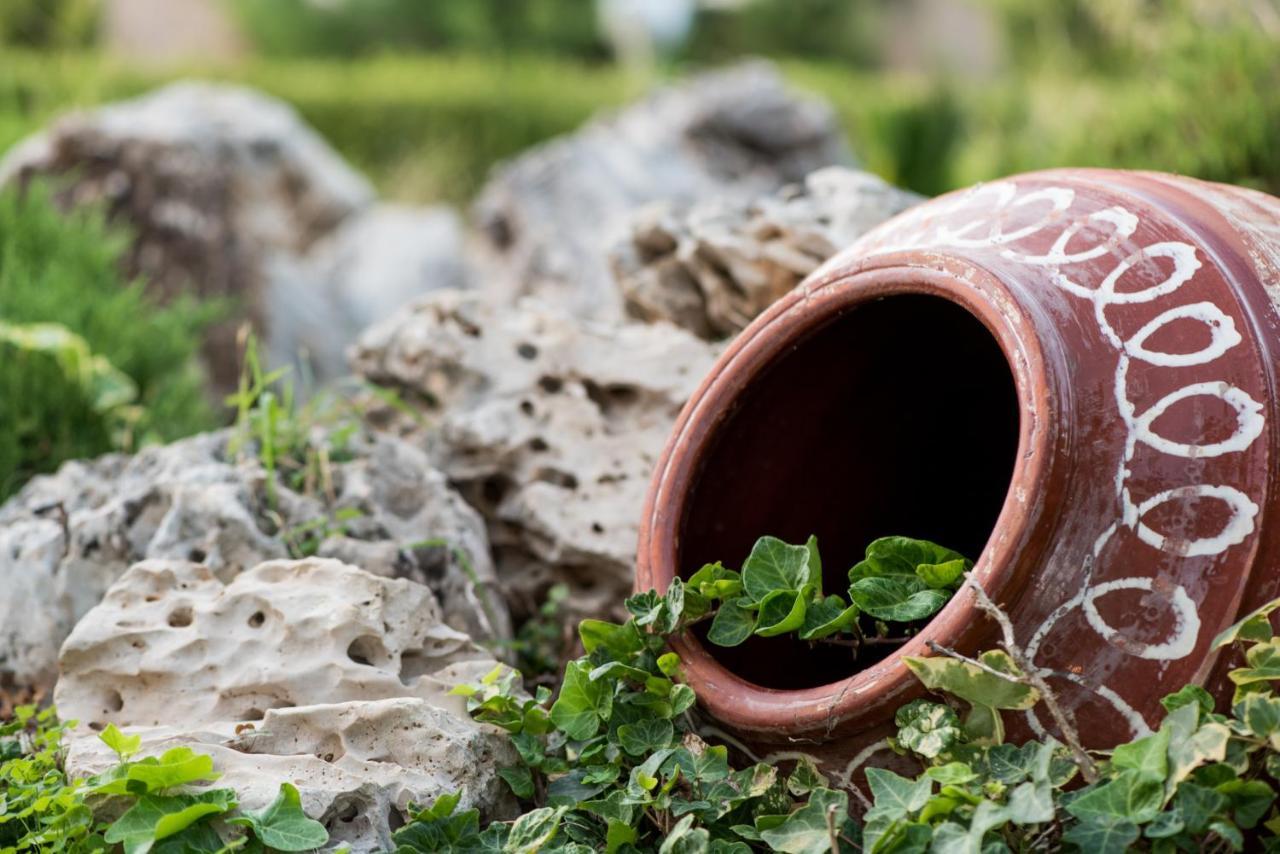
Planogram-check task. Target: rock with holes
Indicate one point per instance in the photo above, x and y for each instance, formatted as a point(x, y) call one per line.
point(549, 217)
point(65, 538)
point(213, 181)
point(548, 424)
point(311, 671)
point(711, 267)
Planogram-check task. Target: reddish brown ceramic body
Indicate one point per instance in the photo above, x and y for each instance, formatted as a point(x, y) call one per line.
point(1137, 313)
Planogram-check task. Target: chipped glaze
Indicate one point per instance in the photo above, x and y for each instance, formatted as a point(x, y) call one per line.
point(1138, 314)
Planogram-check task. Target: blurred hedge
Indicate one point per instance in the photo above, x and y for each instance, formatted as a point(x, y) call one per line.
point(430, 127)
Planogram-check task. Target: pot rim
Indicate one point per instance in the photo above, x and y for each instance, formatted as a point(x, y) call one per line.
point(869, 696)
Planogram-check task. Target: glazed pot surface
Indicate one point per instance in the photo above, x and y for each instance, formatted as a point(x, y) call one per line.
point(1069, 374)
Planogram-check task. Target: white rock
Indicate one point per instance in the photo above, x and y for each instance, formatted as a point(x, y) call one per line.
point(549, 425)
point(550, 216)
point(711, 267)
point(65, 538)
point(308, 671)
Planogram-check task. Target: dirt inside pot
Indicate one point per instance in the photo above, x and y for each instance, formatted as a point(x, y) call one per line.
point(899, 416)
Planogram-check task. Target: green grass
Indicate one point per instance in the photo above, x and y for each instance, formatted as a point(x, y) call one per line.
point(428, 128)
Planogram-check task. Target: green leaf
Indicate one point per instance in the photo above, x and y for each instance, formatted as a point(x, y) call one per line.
point(897, 796)
point(897, 598)
point(805, 777)
point(943, 576)
point(645, 736)
point(1147, 756)
point(889, 556)
point(619, 834)
point(155, 817)
point(1261, 714)
point(824, 617)
point(1250, 800)
point(927, 728)
point(534, 830)
point(1130, 796)
point(1031, 803)
point(1264, 664)
point(283, 825)
point(520, 779)
point(732, 624)
point(952, 838)
point(1253, 626)
point(175, 767)
point(619, 640)
point(583, 705)
point(973, 684)
point(774, 565)
point(685, 839)
point(1102, 835)
point(807, 830)
point(781, 612)
point(1186, 695)
point(1197, 806)
point(123, 745)
point(951, 774)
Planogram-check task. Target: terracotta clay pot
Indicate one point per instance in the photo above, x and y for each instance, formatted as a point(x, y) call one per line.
point(1068, 375)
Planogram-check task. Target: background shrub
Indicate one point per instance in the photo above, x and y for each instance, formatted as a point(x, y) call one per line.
point(88, 363)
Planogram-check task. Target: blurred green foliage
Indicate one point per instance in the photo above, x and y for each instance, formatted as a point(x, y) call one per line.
point(49, 23)
point(88, 363)
point(349, 28)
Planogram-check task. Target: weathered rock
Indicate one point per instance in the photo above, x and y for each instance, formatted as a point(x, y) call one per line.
point(713, 266)
point(550, 216)
point(225, 190)
point(310, 671)
point(549, 425)
point(371, 265)
point(65, 538)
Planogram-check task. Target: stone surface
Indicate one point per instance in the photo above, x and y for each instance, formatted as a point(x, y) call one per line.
point(65, 538)
point(211, 179)
point(713, 266)
point(549, 425)
point(549, 217)
point(310, 671)
point(371, 265)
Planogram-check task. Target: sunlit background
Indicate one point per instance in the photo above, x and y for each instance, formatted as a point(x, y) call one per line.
point(424, 95)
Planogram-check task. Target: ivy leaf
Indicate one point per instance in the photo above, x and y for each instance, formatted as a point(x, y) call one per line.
point(175, 767)
point(952, 838)
point(1250, 800)
point(583, 705)
point(951, 774)
point(774, 565)
point(283, 825)
point(1197, 805)
point(897, 796)
point(1253, 626)
point(973, 684)
point(1147, 756)
point(620, 833)
point(520, 779)
point(1103, 835)
point(646, 608)
point(1261, 714)
point(533, 830)
point(899, 599)
point(619, 641)
point(824, 617)
point(1264, 664)
point(807, 831)
point(781, 612)
point(1031, 803)
point(943, 576)
point(1130, 796)
point(805, 778)
point(927, 728)
point(1187, 695)
point(155, 817)
point(123, 745)
point(889, 556)
point(732, 624)
point(645, 736)
point(685, 839)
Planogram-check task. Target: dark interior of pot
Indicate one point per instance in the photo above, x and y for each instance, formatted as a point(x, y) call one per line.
point(899, 416)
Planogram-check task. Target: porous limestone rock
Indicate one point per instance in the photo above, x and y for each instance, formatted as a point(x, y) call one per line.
point(549, 425)
point(310, 671)
point(549, 217)
point(65, 538)
point(713, 266)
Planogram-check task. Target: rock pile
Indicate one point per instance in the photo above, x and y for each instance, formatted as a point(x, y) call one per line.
point(220, 185)
point(712, 266)
point(549, 217)
point(549, 425)
point(309, 671)
point(66, 537)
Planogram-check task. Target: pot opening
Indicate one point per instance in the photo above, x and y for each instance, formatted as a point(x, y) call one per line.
point(898, 416)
